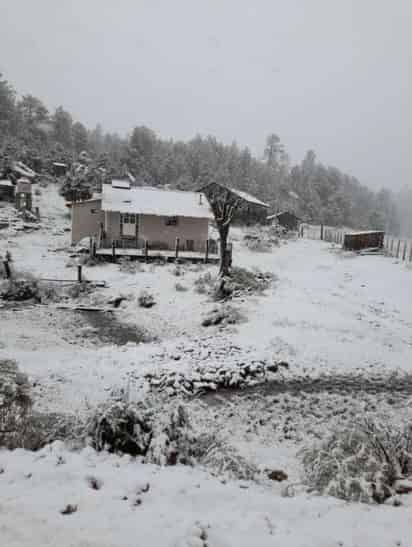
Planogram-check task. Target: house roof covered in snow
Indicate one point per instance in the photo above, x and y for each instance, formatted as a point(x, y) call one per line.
point(152, 201)
point(23, 169)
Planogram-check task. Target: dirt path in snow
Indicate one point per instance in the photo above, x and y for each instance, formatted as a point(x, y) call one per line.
point(392, 384)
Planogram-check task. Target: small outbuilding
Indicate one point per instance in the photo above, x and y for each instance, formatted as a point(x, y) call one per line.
point(252, 209)
point(286, 219)
point(357, 241)
point(6, 190)
point(59, 168)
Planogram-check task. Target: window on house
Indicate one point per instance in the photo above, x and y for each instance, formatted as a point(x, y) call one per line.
point(171, 221)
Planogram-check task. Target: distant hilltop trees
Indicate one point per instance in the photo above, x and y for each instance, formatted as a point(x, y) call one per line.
point(316, 193)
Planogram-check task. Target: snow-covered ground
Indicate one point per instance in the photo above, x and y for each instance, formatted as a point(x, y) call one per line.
point(180, 506)
point(342, 322)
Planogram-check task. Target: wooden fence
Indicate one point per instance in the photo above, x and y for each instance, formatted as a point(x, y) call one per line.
point(400, 248)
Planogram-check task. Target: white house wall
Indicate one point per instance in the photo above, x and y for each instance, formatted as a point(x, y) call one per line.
point(86, 219)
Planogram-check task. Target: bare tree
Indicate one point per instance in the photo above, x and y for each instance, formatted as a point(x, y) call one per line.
point(224, 203)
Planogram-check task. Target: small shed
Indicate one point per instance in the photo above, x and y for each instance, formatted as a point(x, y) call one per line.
point(6, 190)
point(59, 168)
point(23, 195)
point(357, 241)
point(287, 219)
point(252, 209)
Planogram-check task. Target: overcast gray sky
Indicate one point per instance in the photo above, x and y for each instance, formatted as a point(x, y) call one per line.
point(332, 75)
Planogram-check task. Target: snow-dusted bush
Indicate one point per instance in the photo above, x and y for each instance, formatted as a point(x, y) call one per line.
point(204, 283)
point(146, 300)
point(79, 289)
point(360, 463)
point(19, 289)
point(173, 440)
point(179, 287)
point(178, 271)
point(224, 460)
point(223, 315)
point(121, 427)
point(160, 433)
point(126, 265)
point(244, 280)
point(15, 404)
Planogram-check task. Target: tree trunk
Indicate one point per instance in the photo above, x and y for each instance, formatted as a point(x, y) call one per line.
point(224, 255)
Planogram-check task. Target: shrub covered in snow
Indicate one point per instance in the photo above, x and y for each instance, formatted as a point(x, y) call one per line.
point(19, 289)
point(161, 433)
point(15, 404)
point(225, 461)
point(179, 287)
point(79, 289)
point(255, 281)
point(241, 281)
point(223, 315)
point(146, 300)
point(126, 265)
point(204, 283)
point(360, 463)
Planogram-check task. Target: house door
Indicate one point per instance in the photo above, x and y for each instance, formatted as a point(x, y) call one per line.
point(128, 225)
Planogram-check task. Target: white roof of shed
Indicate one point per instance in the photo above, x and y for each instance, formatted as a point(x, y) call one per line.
point(248, 197)
point(118, 183)
point(152, 201)
point(5, 182)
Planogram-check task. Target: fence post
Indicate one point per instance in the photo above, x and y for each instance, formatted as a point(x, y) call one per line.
point(7, 269)
point(207, 252)
point(177, 248)
point(94, 249)
point(79, 273)
point(404, 251)
point(37, 211)
point(146, 250)
point(114, 250)
point(398, 247)
point(321, 232)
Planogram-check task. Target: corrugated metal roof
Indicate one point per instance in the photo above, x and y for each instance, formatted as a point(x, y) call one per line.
point(151, 201)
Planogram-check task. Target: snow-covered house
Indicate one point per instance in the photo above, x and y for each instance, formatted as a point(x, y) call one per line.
point(131, 216)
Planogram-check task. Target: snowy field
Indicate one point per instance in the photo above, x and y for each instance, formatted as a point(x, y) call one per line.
point(343, 324)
